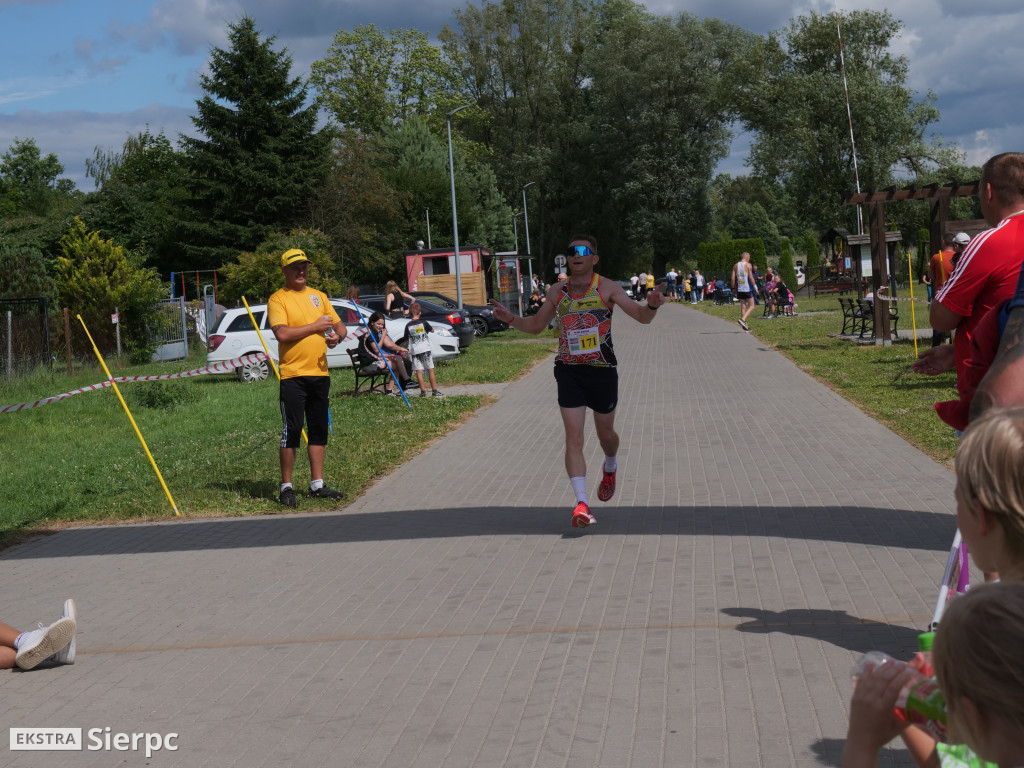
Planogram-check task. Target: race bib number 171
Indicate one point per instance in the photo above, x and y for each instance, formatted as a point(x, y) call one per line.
point(582, 341)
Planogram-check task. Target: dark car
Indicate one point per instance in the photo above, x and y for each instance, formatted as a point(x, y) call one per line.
point(481, 318)
point(459, 321)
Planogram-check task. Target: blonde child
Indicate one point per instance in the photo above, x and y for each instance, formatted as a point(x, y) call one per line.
point(990, 492)
point(419, 348)
point(990, 515)
point(979, 665)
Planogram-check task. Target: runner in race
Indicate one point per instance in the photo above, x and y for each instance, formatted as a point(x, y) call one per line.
point(585, 365)
point(744, 287)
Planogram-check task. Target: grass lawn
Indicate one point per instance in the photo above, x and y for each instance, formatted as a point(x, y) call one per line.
point(214, 439)
point(876, 379)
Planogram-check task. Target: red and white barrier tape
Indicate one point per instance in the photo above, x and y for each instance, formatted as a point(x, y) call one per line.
point(887, 297)
point(225, 367)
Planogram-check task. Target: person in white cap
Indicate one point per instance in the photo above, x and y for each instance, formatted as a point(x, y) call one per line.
point(959, 243)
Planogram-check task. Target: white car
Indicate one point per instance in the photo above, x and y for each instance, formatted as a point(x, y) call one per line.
point(234, 336)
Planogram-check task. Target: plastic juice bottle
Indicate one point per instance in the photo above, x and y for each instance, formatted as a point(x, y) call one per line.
point(923, 659)
point(920, 701)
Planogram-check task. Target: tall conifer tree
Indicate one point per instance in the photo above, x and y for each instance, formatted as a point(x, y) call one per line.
point(260, 156)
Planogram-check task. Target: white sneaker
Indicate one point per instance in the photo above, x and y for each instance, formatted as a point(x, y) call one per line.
point(39, 645)
point(67, 656)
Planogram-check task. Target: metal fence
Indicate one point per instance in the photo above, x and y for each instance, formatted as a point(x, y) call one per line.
point(169, 328)
point(26, 343)
point(24, 335)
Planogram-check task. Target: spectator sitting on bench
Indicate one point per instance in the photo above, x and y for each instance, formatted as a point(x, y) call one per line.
point(781, 298)
point(769, 295)
point(371, 357)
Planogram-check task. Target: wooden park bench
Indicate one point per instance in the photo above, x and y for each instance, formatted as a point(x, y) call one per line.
point(837, 286)
point(850, 319)
point(865, 313)
point(377, 377)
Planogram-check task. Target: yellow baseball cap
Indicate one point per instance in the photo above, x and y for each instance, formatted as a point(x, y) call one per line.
point(293, 256)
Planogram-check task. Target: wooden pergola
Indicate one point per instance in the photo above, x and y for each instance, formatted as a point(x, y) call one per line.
point(938, 197)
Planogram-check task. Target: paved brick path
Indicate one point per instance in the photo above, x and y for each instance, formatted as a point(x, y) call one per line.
point(764, 534)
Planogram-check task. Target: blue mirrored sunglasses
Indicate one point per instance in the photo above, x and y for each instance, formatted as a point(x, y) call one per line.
point(580, 250)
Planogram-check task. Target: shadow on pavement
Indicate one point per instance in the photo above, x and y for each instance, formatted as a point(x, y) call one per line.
point(836, 627)
point(854, 525)
point(830, 753)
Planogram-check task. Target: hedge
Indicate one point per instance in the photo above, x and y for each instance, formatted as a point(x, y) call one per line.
point(717, 259)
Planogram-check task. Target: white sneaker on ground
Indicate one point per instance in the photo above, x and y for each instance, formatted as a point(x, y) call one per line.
point(39, 645)
point(67, 656)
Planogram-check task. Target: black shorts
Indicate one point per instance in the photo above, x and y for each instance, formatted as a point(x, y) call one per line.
point(741, 295)
point(593, 386)
point(304, 397)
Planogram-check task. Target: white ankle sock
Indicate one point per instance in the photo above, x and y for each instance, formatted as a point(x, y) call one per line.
point(316, 485)
point(610, 464)
point(579, 487)
point(285, 485)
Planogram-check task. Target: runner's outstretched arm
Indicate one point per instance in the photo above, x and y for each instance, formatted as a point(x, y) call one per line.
point(534, 323)
point(614, 295)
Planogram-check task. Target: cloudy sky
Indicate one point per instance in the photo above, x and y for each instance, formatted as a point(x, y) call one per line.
point(78, 74)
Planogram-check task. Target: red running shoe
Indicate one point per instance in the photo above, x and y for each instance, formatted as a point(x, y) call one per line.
point(581, 516)
point(607, 488)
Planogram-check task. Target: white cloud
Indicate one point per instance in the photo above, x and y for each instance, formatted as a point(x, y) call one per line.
point(26, 88)
point(982, 144)
point(74, 135)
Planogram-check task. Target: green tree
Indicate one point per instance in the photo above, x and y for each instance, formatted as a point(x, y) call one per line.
point(618, 115)
point(751, 220)
point(371, 80)
point(360, 211)
point(728, 193)
point(261, 156)
point(29, 182)
point(24, 272)
point(93, 276)
point(419, 167)
point(522, 63)
point(799, 113)
point(658, 113)
point(813, 263)
point(258, 274)
point(142, 195)
point(786, 265)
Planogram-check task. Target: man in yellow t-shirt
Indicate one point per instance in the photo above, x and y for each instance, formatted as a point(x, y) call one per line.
point(305, 325)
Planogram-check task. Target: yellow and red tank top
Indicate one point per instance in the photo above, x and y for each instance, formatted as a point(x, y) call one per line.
point(585, 337)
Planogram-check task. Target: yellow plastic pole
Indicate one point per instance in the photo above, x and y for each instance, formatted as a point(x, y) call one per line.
point(134, 425)
point(267, 350)
point(913, 316)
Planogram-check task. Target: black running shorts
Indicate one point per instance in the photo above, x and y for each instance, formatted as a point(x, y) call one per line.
point(304, 397)
point(592, 386)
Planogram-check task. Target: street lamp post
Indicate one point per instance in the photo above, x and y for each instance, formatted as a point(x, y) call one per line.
point(515, 229)
point(455, 216)
point(428, 229)
point(526, 226)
